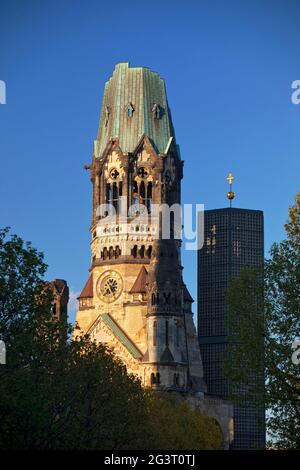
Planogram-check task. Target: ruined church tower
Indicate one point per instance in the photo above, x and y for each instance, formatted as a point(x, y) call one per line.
point(135, 299)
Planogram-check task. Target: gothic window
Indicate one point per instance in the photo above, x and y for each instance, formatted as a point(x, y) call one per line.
point(117, 251)
point(130, 110)
point(155, 379)
point(108, 194)
point(142, 190)
point(142, 251)
point(167, 333)
point(143, 193)
point(156, 111)
point(134, 251)
point(149, 197)
point(135, 193)
point(115, 197)
point(114, 173)
point(154, 333)
point(142, 172)
point(172, 225)
point(114, 192)
point(111, 252)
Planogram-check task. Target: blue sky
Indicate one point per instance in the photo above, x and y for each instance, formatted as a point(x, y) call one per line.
point(228, 67)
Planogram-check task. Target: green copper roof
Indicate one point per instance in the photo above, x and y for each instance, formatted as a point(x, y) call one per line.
point(121, 336)
point(142, 89)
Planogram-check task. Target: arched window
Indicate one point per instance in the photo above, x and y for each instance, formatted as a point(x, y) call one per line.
point(115, 196)
point(111, 252)
point(108, 194)
point(156, 111)
point(135, 193)
point(149, 197)
point(143, 193)
point(172, 225)
point(120, 197)
point(134, 251)
point(149, 251)
point(117, 251)
point(142, 251)
point(154, 333)
point(152, 379)
point(130, 110)
point(105, 253)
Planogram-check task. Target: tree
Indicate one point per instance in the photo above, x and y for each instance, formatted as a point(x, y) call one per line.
point(277, 319)
point(62, 393)
point(180, 427)
point(56, 393)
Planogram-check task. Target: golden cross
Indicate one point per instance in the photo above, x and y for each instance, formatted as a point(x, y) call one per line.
point(230, 178)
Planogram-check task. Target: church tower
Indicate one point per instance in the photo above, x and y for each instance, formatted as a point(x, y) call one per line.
point(135, 299)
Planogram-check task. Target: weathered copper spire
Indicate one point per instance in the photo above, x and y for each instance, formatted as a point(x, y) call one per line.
point(134, 104)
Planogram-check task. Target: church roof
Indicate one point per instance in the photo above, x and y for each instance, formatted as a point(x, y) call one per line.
point(139, 285)
point(134, 104)
point(186, 295)
point(121, 335)
point(87, 291)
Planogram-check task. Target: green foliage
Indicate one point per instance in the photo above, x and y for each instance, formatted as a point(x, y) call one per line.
point(74, 394)
point(180, 427)
point(278, 320)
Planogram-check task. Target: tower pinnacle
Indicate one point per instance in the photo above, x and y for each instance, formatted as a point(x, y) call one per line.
point(230, 194)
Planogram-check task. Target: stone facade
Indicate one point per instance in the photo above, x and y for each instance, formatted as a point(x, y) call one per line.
point(135, 299)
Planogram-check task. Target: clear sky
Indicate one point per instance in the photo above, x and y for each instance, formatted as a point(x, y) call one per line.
point(228, 67)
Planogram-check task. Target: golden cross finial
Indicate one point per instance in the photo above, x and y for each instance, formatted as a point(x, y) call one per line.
point(230, 194)
point(230, 178)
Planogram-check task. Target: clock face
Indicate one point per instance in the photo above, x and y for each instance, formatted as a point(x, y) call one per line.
point(109, 286)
